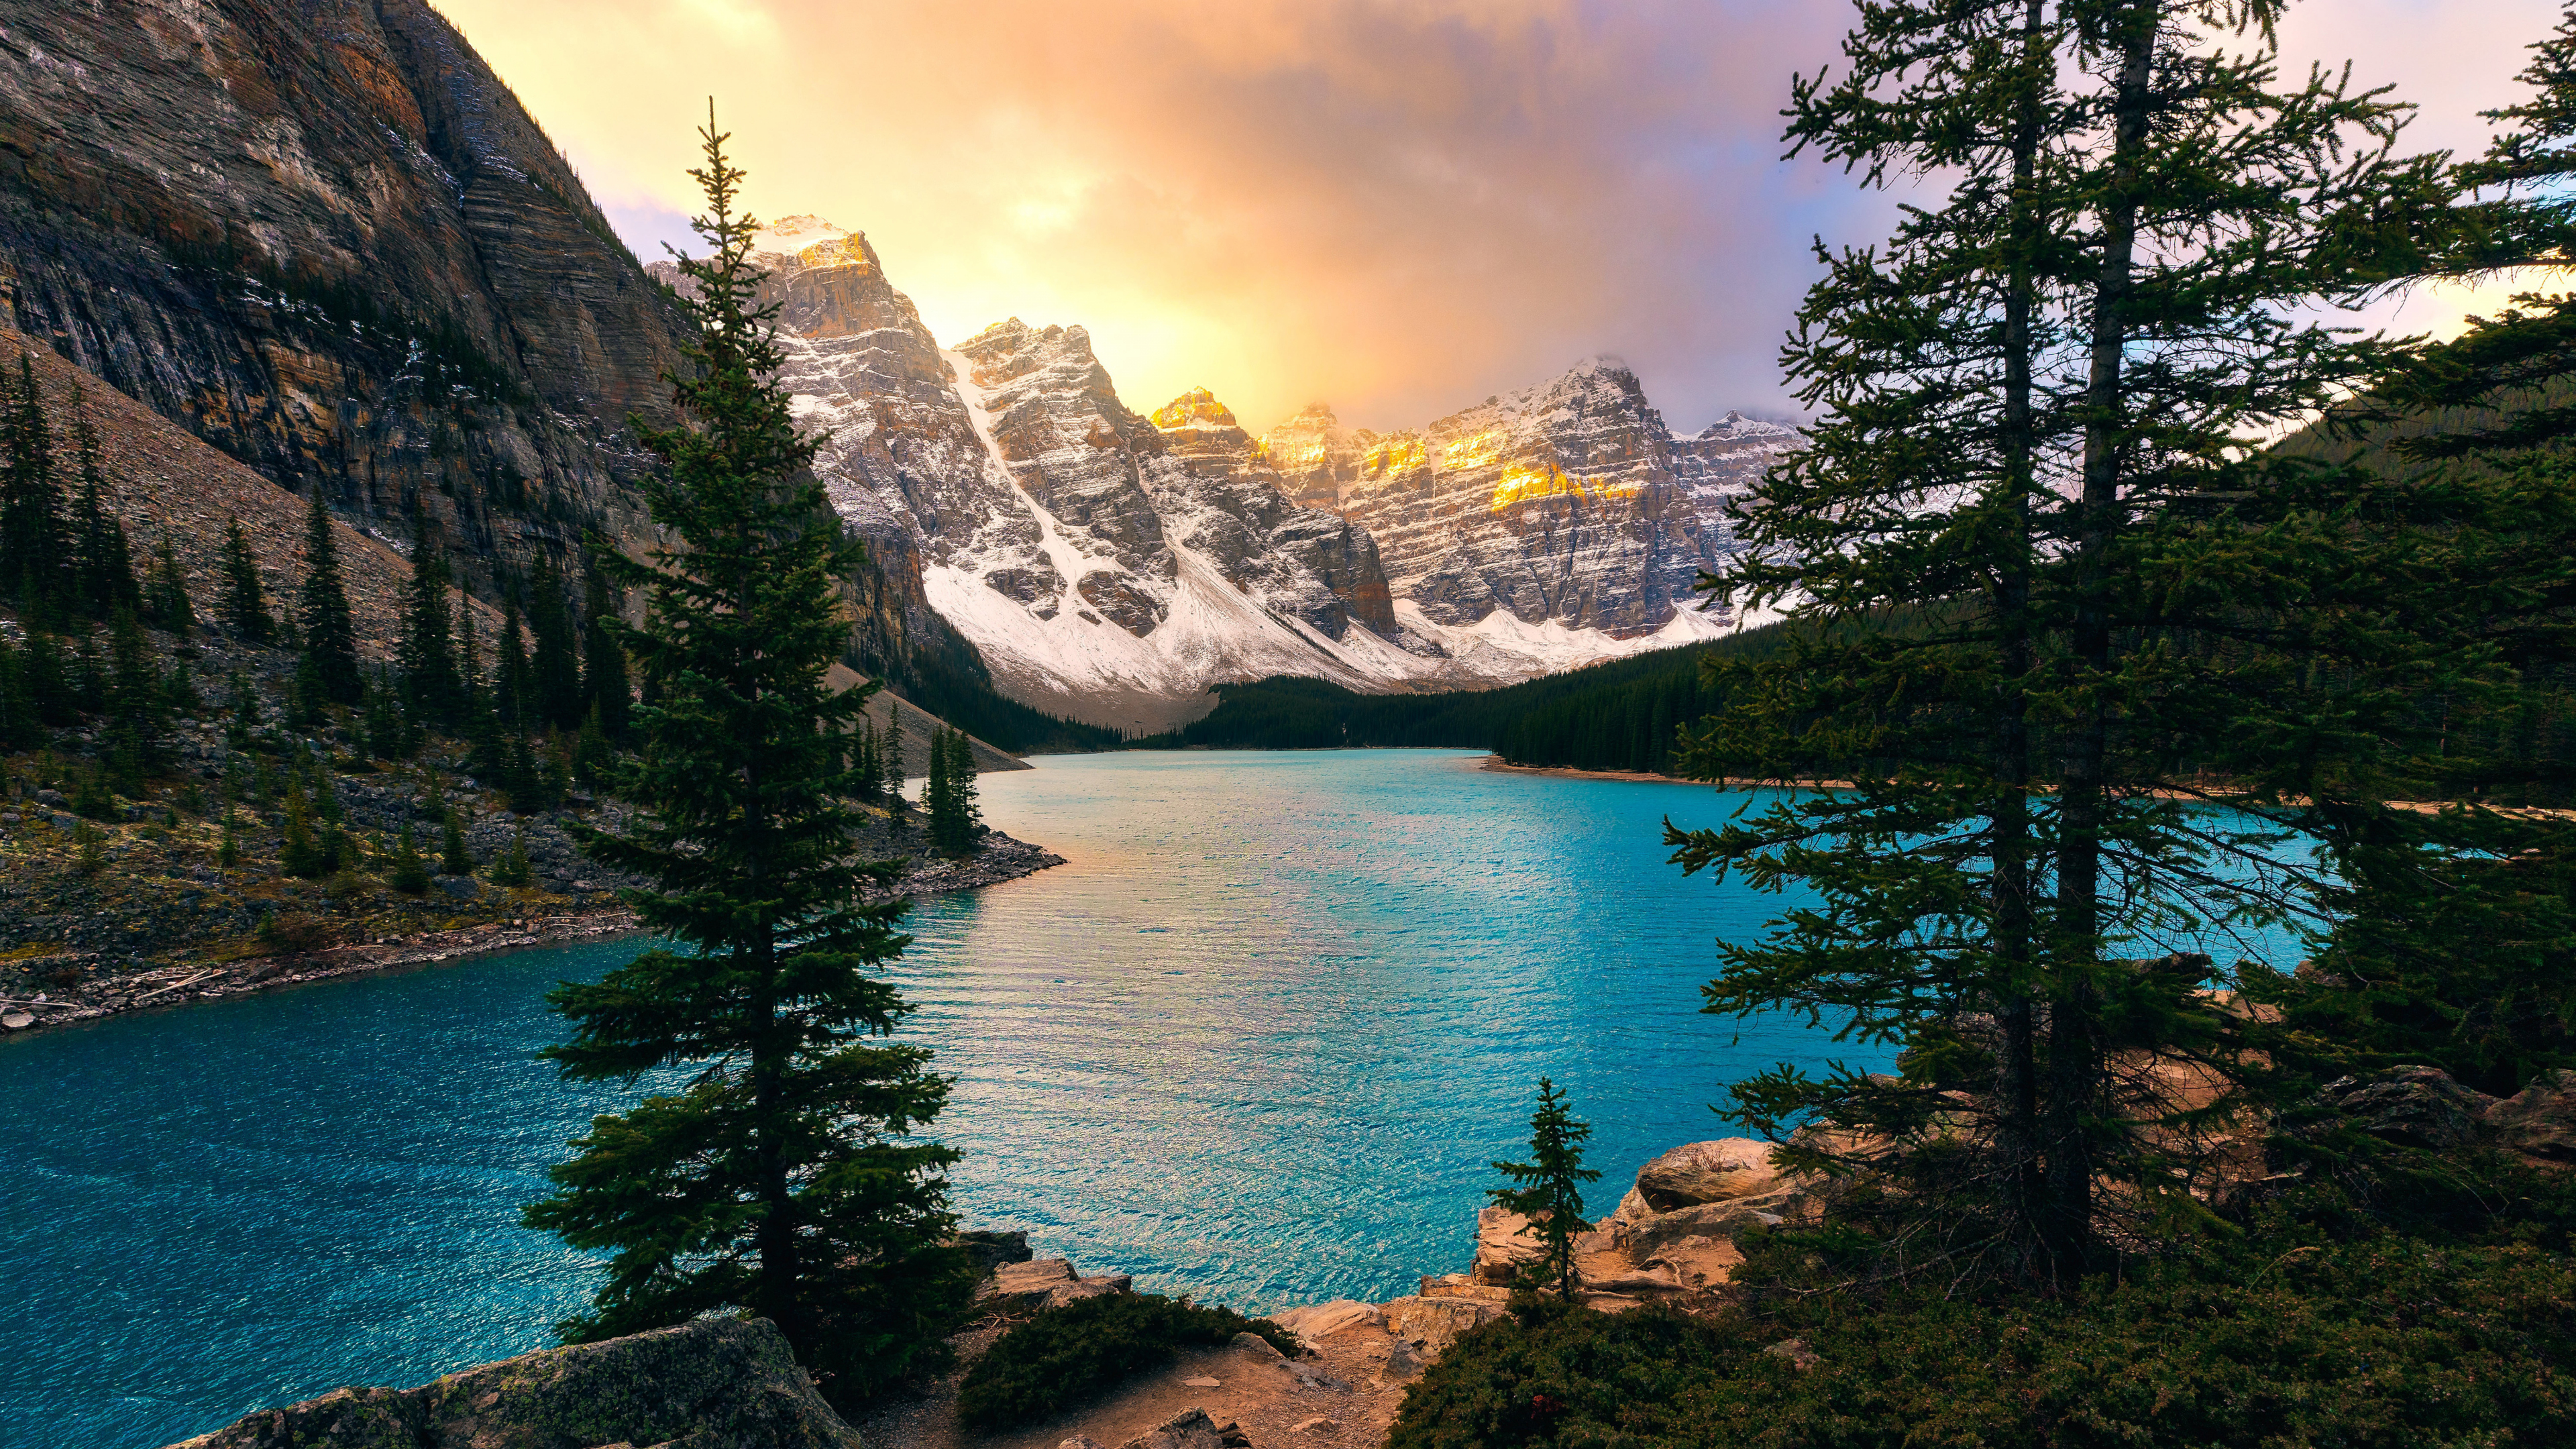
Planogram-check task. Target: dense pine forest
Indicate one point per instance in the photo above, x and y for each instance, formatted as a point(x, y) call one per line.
point(1616, 716)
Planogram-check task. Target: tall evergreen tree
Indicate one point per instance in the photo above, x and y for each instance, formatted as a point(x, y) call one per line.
point(890, 752)
point(935, 794)
point(1978, 540)
point(105, 570)
point(323, 622)
point(603, 659)
point(425, 654)
point(137, 705)
point(35, 557)
point(2455, 933)
point(866, 769)
point(21, 718)
point(784, 1178)
point(167, 599)
point(962, 810)
point(1550, 1190)
point(513, 692)
point(242, 603)
point(554, 660)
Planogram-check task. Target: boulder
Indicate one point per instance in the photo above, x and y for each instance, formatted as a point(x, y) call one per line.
point(991, 1249)
point(1665, 1233)
point(1698, 1172)
point(1189, 1429)
point(1254, 1346)
point(1432, 1324)
point(1026, 1285)
point(1080, 1288)
point(2540, 1120)
point(716, 1382)
point(2417, 1106)
point(1402, 1365)
point(1320, 1320)
point(1504, 1245)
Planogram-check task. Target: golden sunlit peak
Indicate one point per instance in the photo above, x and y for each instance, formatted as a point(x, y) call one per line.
point(1197, 408)
point(793, 234)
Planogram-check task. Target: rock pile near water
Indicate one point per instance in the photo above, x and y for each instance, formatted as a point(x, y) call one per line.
point(720, 1383)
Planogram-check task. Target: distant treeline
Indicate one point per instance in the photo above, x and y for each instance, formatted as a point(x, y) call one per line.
point(1621, 715)
point(956, 688)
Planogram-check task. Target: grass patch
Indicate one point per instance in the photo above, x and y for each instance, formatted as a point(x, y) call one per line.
point(1066, 1356)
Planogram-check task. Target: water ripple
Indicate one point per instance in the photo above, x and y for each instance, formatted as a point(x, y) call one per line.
point(1257, 1041)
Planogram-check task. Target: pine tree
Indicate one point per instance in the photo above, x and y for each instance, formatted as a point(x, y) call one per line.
point(323, 622)
point(512, 697)
point(479, 724)
point(2454, 942)
point(1550, 1194)
point(866, 770)
point(179, 692)
point(593, 758)
point(105, 567)
point(603, 660)
point(35, 556)
point(242, 604)
point(49, 680)
point(784, 1179)
point(1979, 541)
point(92, 798)
point(21, 718)
point(425, 654)
point(891, 753)
point(168, 597)
point(935, 793)
point(409, 875)
point(301, 854)
point(512, 869)
point(950, 796)
point(453, 857)
point(137, 704)
point(554, 662)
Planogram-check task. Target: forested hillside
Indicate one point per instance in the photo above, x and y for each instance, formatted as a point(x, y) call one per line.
point(1608, 717)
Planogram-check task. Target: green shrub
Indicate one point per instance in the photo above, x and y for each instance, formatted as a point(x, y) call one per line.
point(1066, 1355)
point(2393, 1341)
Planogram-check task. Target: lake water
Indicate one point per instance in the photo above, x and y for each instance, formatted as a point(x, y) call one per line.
point(1257, 1041)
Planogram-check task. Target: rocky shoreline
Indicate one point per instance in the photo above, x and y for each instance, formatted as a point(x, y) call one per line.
point(96, 996)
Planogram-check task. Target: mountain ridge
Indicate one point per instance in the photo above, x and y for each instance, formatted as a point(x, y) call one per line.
point(1110, 565)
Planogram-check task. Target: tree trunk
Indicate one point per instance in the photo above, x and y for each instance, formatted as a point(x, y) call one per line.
point(2074, 1046)
point(2017, 1085)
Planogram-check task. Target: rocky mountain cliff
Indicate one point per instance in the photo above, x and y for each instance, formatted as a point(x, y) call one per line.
point(327, 240)
point(1105, 569)
point(1110, 566)
point(1568, 504)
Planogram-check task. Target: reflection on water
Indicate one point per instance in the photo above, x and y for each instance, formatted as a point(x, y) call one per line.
point(1258, 1041)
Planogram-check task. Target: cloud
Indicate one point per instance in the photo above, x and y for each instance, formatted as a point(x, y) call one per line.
point(1397, 206)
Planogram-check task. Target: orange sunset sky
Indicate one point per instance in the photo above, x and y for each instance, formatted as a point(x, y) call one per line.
point(1398, 207)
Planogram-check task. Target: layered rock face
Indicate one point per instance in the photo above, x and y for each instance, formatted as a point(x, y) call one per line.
point(1103, 568)
point(1300, 558)
point(328, 241)
point(1110, 566)
point(1568, 503)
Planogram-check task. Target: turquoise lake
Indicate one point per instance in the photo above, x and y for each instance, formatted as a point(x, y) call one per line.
point(1257, 1041)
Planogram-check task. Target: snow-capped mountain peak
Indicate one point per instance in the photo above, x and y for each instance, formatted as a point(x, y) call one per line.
point(1110, 566)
